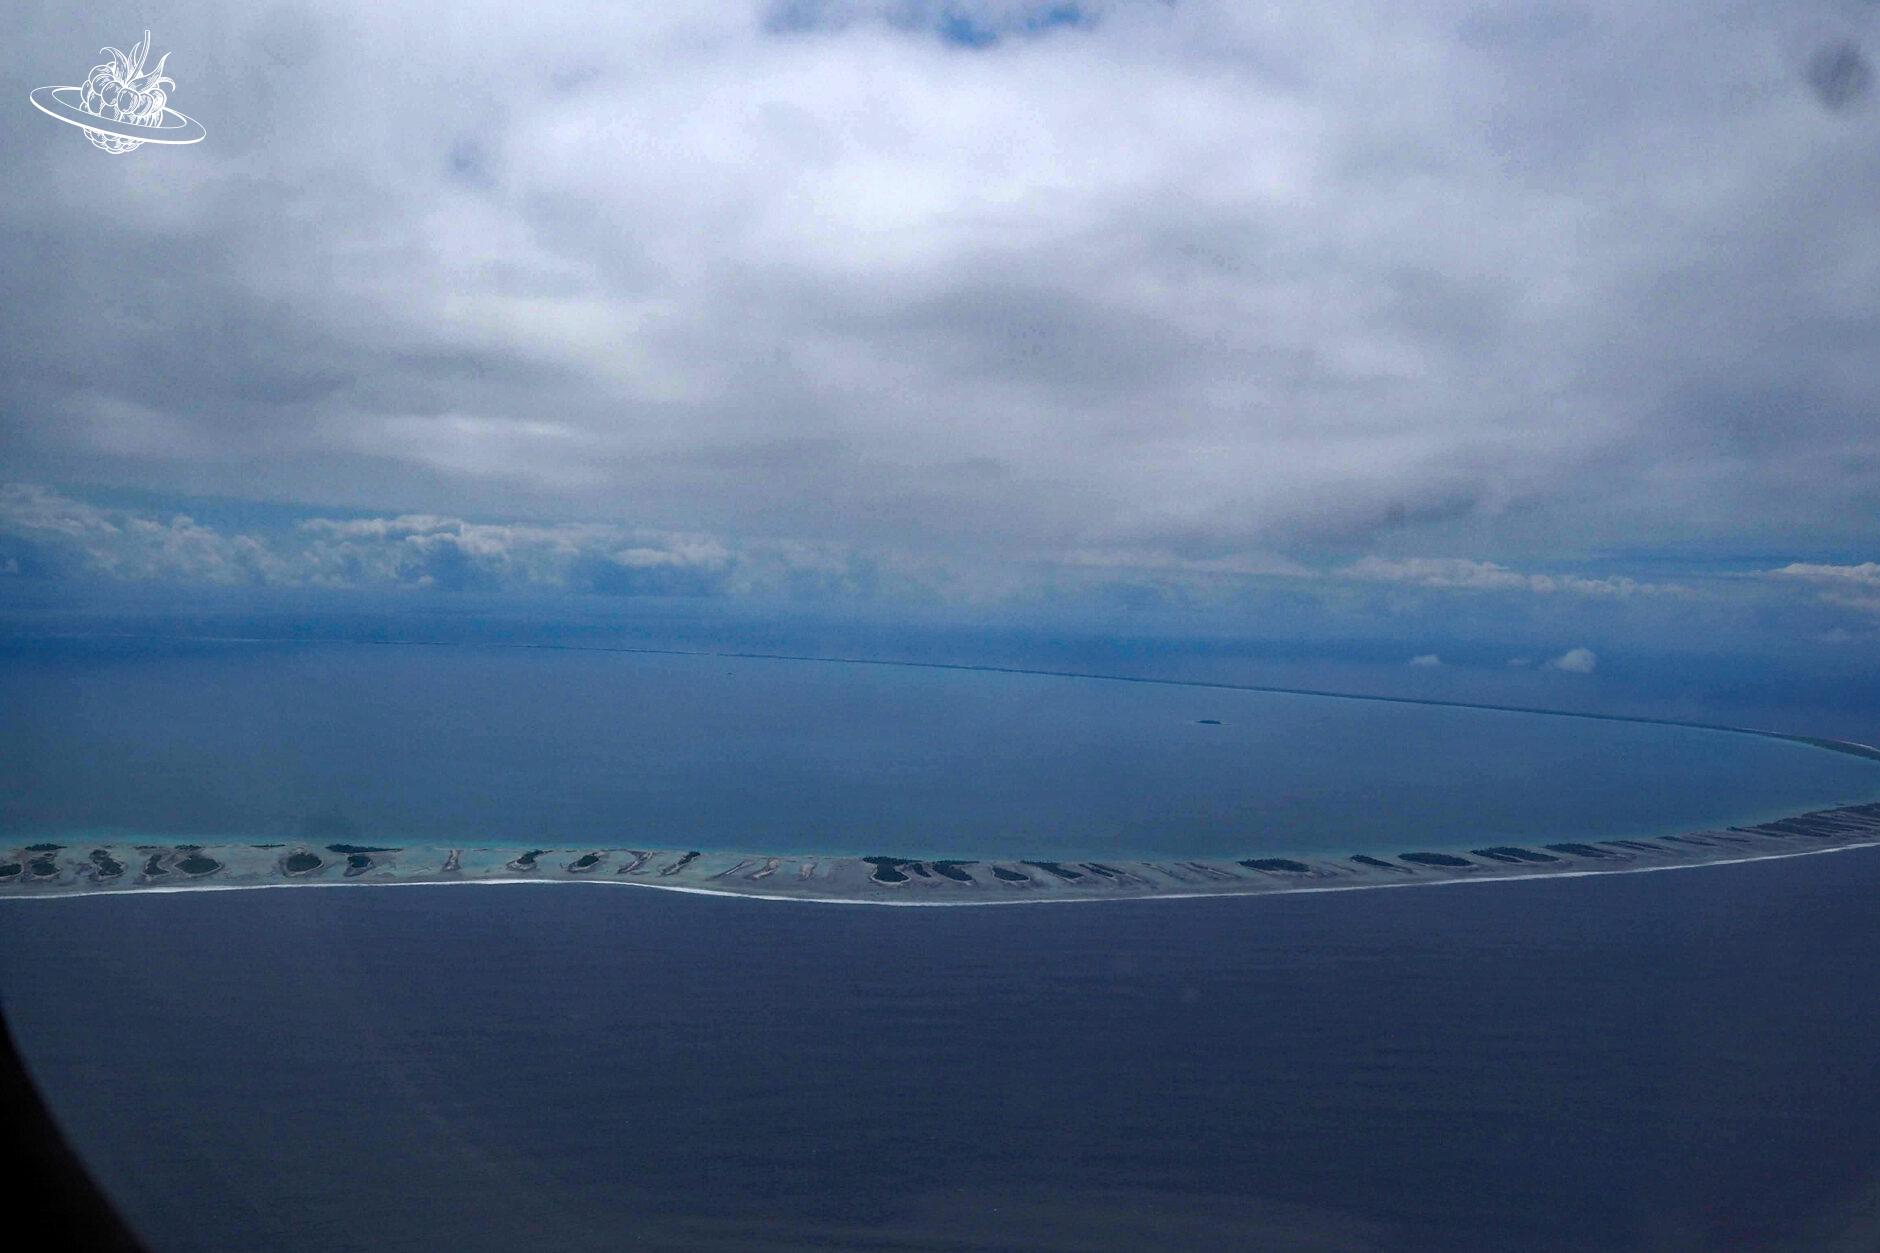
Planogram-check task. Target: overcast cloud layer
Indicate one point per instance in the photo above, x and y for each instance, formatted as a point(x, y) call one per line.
point(1443, 295)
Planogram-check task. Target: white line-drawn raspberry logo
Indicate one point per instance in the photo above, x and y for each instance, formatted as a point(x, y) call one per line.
point(122, 106)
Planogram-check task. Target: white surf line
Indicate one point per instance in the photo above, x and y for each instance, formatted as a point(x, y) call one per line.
point(892, 904)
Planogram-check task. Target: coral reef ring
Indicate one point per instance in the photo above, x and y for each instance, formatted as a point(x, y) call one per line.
point(62, 103)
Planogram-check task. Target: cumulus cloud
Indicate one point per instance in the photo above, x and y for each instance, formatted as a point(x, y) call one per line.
point(48, 533)
point(1855, 586)
point(1426, 659)
point(1575, 661)
point(1866, 574)
point(984, 277)
point(1459, 572)
point(58, 535)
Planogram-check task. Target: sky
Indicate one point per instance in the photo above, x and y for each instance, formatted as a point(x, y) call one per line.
point(1552, 325)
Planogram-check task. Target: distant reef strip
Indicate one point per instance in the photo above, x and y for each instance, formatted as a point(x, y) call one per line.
point(88, 869)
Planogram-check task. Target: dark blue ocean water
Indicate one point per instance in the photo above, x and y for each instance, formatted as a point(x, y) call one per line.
point(1671, 1061)
point(466, 744)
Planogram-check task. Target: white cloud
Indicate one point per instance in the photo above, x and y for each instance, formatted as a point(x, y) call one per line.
point(1463, 573)
point(1426, 659)
point(1866, 574)
point(45, 531)
point(427, 551)
point(128, 545)
point(29, 509)
point(1855, 587)
point(1575, 661)
point(1239, 565)
point(1202, 277)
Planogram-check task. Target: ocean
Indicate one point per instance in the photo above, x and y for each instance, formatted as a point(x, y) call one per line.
point(1671, 1061)
point(224, 741)
point(1667, 1061)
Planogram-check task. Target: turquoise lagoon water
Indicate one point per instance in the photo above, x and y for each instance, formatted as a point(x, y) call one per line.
point(465, 745)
